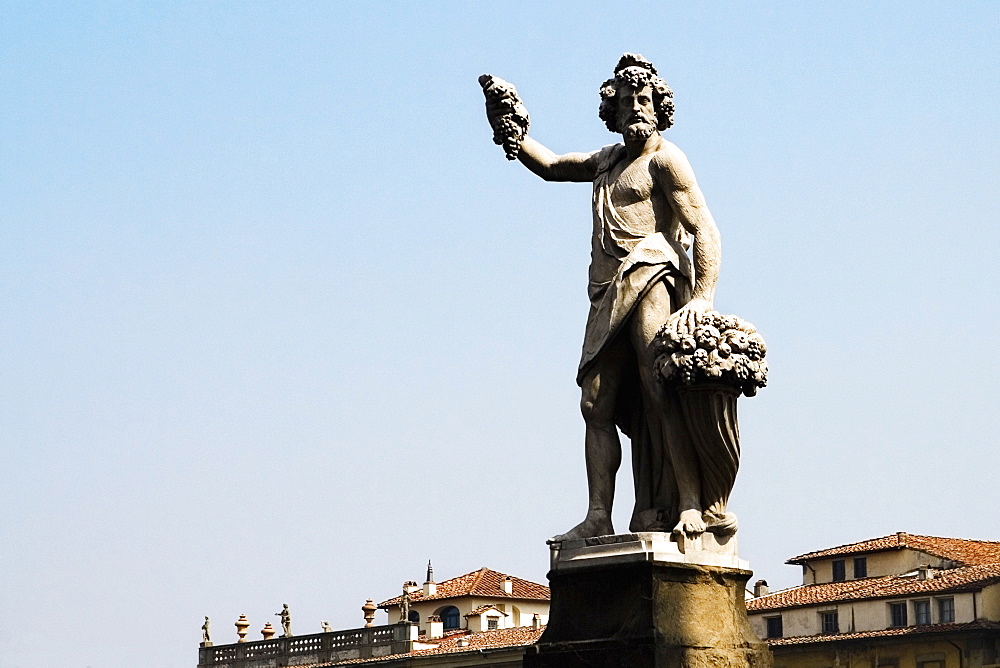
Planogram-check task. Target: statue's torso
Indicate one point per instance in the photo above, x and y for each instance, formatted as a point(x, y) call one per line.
point(639, 199)
point(629, 206)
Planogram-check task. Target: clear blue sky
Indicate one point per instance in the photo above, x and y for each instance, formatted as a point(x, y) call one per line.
point(280, 323)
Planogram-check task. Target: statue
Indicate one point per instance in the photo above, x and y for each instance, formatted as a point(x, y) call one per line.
point(205, 636)
point(286, 621)
point(404, 605)
point(647, 213)
point(326, 626)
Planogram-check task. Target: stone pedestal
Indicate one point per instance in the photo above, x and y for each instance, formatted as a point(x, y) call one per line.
point(646, 601)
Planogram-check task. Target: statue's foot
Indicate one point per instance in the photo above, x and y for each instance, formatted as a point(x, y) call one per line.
point(594, 525)
point(691, 523)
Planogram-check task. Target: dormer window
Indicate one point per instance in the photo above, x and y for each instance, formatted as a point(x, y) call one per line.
point(839, 570)
point(860, 567)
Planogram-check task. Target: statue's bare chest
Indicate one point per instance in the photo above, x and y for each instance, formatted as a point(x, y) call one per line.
point(632, 183)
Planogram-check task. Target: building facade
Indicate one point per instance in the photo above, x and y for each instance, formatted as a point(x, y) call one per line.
point(902, 601)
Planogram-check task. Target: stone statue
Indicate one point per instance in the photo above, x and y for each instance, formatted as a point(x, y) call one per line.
point(286, 621)
point(647, 213)
point(326, 626)
point(205, 631)
point(404, 605)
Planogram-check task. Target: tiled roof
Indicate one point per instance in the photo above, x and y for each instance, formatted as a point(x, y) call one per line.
point(483, 608)
point(484, 582)
point(964, 578)
point(520, 636)
point(978, 625)
point(966, 552)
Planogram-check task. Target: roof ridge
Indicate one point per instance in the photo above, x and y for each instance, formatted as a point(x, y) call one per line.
point(478, 578)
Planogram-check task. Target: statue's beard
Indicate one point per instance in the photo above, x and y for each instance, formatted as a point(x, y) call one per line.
point(639, 130)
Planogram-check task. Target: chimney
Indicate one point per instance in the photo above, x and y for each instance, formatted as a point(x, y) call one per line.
point(410, 587)
point(462, 642)
point(435, 627)
point(430, 588)
point(925, 573)
point(760, 588)
point(507, 585)
point(901, 538)
point(536, 621)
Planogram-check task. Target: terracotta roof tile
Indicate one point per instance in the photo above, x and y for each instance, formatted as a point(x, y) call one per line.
point(484, 582)
point(885, 633)
point(520, 636)
point(483, 608)
point(964, 578)
point(966, 552)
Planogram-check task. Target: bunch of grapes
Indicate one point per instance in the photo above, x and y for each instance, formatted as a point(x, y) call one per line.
point(507, 115)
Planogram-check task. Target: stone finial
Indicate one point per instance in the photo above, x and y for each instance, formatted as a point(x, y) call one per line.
point(242, 624)
point(430, 572)
point(268, 631)
point(368, 610)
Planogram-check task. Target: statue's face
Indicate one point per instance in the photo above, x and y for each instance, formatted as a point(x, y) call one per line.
point(636, 112)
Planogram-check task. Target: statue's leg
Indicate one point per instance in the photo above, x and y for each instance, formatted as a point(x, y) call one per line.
point(602, 447)
point(666, 422)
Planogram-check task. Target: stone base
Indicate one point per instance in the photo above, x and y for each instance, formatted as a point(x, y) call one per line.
point(634, 600)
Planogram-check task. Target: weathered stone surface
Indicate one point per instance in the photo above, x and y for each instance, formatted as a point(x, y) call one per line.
point(649, 614)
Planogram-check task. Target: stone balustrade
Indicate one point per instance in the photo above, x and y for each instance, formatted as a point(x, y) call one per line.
point(363, 643)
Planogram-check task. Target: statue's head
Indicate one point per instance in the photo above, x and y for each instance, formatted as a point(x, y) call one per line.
point(635, 74)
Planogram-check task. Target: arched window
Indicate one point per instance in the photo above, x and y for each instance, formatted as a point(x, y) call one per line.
point(414, 616)
point(450, 618)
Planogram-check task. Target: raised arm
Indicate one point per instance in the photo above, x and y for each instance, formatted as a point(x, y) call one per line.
point(580, 167)
point(676, 179)
point(509, 119)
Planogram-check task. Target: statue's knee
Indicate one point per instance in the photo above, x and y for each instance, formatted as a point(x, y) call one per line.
point(595, 412)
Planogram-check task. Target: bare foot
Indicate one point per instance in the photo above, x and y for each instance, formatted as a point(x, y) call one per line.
point(691, 523)
point(593, 525)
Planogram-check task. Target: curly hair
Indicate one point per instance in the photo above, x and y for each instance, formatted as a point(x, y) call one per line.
point(636, 71)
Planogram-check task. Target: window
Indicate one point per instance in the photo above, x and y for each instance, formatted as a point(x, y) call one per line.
point(492, 623)
point(860, 567)
point(414, 616)
point(774, 629)
point(897, 614)
point(921, 612)
point(946, 610)
point(829, 623)
point(839, 571)
point(450, 618)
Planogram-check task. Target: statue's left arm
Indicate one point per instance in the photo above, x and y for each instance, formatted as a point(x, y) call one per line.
point(676, 179)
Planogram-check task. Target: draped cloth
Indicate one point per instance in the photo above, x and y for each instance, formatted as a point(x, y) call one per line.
point(629, 256)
